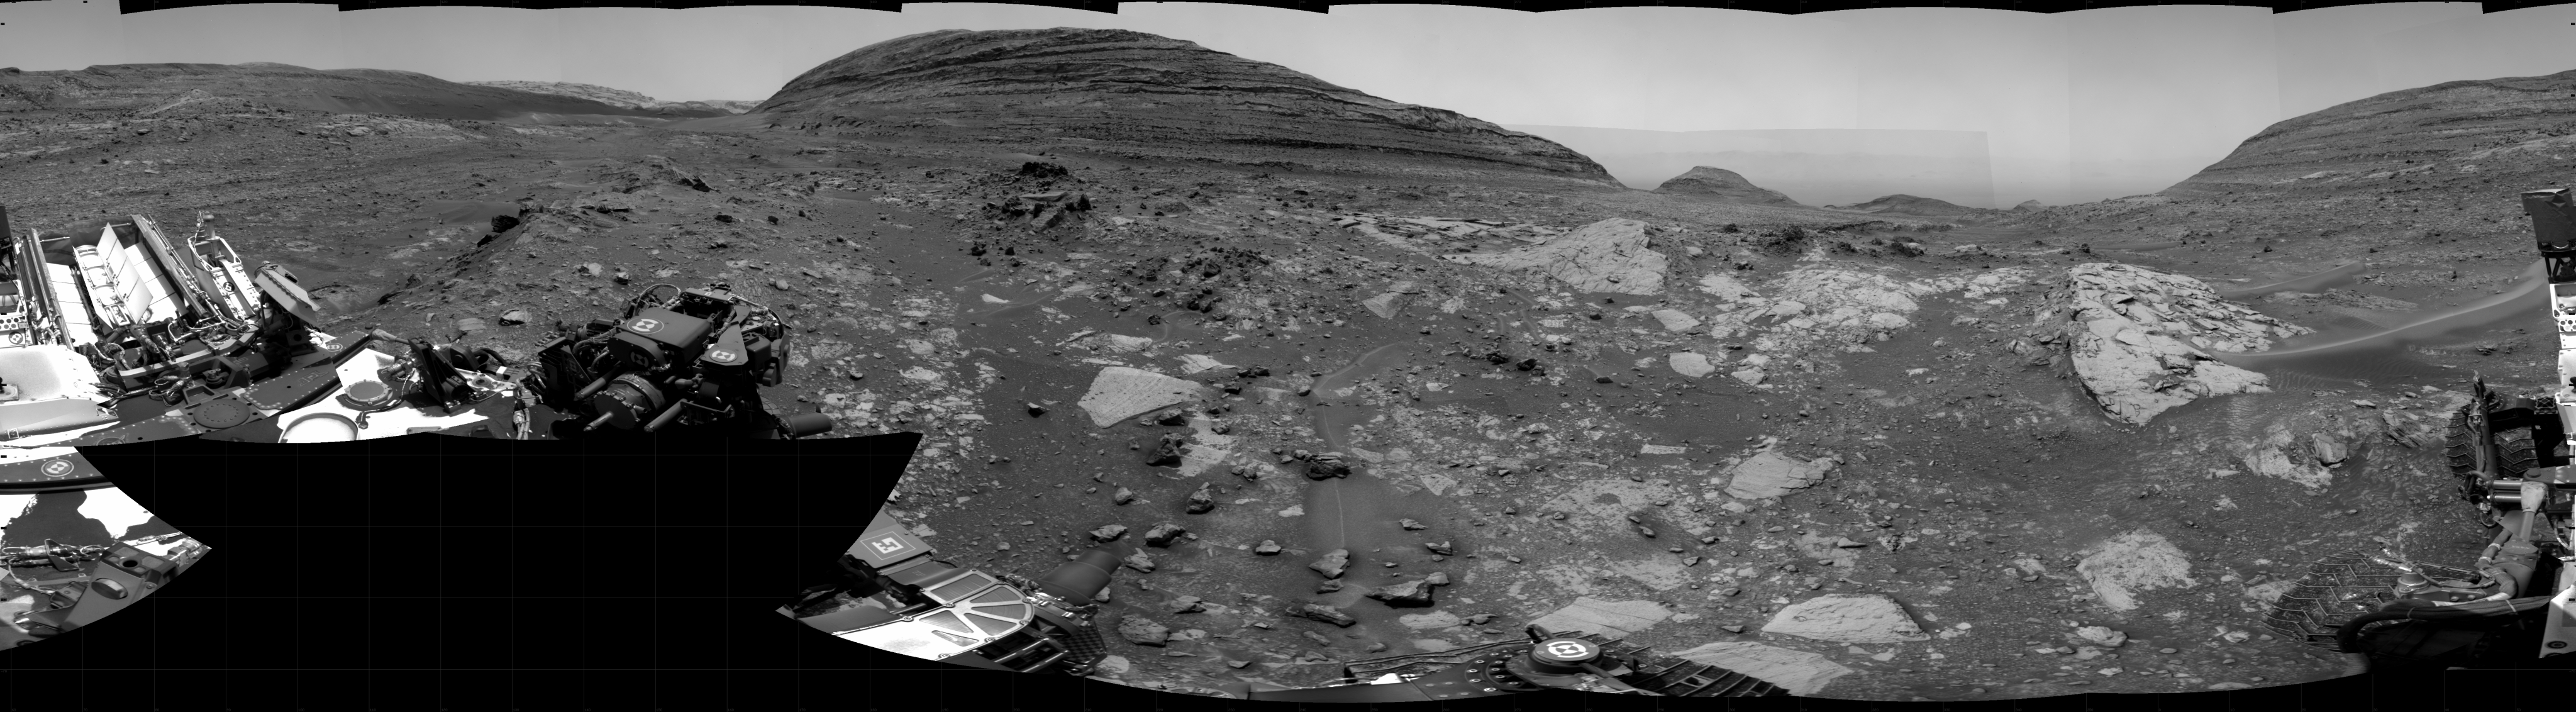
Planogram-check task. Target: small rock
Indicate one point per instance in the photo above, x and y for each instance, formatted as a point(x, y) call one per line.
point(1319, 638)
point(1267, 548)
point(2236, 636)
point(1327, 614)
point(1410, 594)
point(1184, 604)
point(1202, 501)
point(1036, 410)
point(1376, 647)
point(2167, 651)
point(2102, 636)
point(514, 317)
point(1513, 559)
point(1329, 586)
point(591, 269)
point(1325, 469)
point(1437, 578)
point(1143, 631)
point(1237, 664)
point(1333, 564)
point(1168, 452)
point(1411, 525)
point(1163, 534)
point(1122, 496)
point(1140, 562)
point(1109, 533)
point(1732, 628)
point(1439, 547)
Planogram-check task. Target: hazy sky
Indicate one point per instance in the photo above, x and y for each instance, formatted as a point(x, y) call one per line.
point(2077, 106)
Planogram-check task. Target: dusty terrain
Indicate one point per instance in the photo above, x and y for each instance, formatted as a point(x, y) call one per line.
point(1699, 421)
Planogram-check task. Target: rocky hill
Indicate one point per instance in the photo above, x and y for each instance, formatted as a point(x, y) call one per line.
point(2488, 128)
point(1140, 91)
point(153, 88)
point(1902, 204)
point(621, 97)
point(1722, 184)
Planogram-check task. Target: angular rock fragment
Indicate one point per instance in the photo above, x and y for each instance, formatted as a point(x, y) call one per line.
point(1439, 547)
point(1616, 619)
point(1201, 501)
point(1168, 452)
point(1333, 563)
point(1847, 619)
point(1118, 393)
point(1327, 614)
point(1801, 673)
point(1163, 534)
point(1691, 365)
point(1109, 533)
point(1267, 548)
point(1184, 604)
point(1122, 496)
point(1410, 594)
point(1770, 474)
point(1143, 631)
point(1139, 561)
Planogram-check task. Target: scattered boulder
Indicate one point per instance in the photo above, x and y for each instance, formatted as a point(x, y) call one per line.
point(1109, 533)
point(1333, 564)
point(1801, 673)
point(1118, 393)
point(1722, 184)
point(1139, 561)
point(1122, 496)
point(1168, 452)
point(1327, 614)
point(1143, 631)
point(1867, 618)
point(2127, 564)
point(1692, 365)
point(1163, 534)
point(1318, 469)
point(1771, 474)
point(2102, 636)
point(1674, 320)
point(1616, 619)
point(2135, 337)
point(1410, 594)
point(1202, 501)
point(1606, 256)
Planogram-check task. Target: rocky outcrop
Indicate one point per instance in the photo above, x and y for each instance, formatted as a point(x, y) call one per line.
point(1616, 619)
point(1771, 474)
point(1722, 184)
point(2126, 565)
point(1143, 92)
point(1118, 393)
point(2136, 338)
point(1847, 619)
point(2028, 206)
point(1800, 672)
point(1606, 256)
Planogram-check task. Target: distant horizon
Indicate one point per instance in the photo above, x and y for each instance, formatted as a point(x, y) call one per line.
point(2075, 106)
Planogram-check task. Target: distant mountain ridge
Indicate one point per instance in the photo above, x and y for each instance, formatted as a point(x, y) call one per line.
point(618, 97)
point(169, 86)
